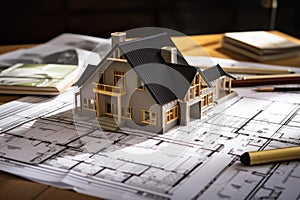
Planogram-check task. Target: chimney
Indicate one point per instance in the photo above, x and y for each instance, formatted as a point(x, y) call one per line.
point(169, 54)
point(117, 38)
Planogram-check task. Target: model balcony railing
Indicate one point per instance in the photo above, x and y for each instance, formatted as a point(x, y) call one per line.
point(110, 90)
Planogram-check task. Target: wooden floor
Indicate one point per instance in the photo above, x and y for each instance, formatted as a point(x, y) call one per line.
point(13, 187)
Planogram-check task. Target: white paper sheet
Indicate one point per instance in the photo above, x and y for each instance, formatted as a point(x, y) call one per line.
point(38, 140)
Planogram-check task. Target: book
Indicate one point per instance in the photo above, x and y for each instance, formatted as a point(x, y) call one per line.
point(52, 67)
point(42, 79)
point(260, 45)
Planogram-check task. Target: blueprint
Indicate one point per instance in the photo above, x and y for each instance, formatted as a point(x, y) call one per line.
point(43, 139)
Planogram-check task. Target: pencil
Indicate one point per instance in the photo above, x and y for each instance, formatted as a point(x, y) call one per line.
point(269, 156)
point(266, 80)
point(277, 89)
point(253, 70)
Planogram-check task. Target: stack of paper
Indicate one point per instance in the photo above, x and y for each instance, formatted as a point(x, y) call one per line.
point(48, 79)
point(260, 45)
point(52, 67)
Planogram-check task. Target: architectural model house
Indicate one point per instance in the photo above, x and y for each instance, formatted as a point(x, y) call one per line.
point(147, 84)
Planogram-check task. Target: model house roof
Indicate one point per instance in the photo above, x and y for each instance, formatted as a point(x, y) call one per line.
point(215, 72)
point(165, 81)
point(147, 50)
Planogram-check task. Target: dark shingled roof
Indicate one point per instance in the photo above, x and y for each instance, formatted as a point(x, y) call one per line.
point(204, 77)
point(147, 50)
point(215, 72)
point(166, 82)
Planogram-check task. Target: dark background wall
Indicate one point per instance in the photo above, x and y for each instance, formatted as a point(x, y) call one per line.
point(36, 21)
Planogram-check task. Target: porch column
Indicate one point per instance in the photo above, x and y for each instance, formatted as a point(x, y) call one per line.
point(98, 113)
point(229, 85)
point(119, 108)
point(184, 113)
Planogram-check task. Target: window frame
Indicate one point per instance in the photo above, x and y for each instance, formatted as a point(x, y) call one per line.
point(172, 114)
point(89, 104)
point(149, 117)
point(126, 112)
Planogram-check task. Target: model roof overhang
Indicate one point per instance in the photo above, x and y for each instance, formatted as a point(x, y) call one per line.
point(215, 72)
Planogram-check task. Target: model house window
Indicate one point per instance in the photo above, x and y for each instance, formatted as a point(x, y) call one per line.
point(119, 78)
point(195, 87)
point(89, 104)
point(149, 117)
point(126, 112)
point(206, 100)
point(139, 84)
point(172, 114)
point(112, 110)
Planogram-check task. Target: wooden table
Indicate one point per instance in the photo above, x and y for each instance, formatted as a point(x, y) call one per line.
point(12, 187)
point(212, 45)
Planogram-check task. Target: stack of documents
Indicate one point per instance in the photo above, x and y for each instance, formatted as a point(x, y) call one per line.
point(260, 45)
point(41, 79)
point(52, 67)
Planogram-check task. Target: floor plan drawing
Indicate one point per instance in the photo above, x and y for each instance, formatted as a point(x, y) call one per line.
point(43, 140)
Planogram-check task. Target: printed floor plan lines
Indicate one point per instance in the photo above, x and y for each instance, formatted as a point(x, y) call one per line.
point(44, 139)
